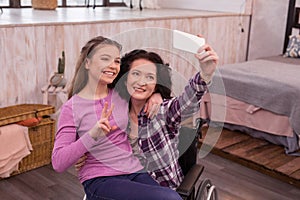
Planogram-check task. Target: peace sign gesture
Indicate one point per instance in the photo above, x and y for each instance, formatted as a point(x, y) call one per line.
point(103, 127)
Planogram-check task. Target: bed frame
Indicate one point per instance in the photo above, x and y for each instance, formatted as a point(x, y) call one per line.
point(260, 83)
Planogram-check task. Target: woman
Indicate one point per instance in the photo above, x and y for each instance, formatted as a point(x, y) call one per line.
point(88, 125)
point(144, 73)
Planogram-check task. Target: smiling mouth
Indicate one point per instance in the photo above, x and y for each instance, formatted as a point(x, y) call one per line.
point(137, 89)
point(109, 73)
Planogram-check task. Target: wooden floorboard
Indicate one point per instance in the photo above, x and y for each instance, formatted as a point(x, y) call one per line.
point(42, 183)
point(236, 178)
point(237, 182)
point(257, 154)
point(232, 180)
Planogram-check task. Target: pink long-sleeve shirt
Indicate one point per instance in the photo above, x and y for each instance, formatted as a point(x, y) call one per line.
point(108, 156)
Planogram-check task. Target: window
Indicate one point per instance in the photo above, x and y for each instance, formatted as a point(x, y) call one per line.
point(63, 3)
point(25, 3)
point(76, 2)
point(4, 3)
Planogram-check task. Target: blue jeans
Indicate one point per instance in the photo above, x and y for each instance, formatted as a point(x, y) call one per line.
point(135, 186)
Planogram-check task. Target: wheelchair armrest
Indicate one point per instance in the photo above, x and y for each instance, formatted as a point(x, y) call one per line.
point(189, 181)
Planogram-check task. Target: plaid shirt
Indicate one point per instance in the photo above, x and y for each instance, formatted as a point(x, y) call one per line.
point(159, 137)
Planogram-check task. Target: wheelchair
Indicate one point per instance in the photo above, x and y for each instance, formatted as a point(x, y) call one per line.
point(190, 188)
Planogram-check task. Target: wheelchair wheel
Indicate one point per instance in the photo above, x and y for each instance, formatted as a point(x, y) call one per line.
point(206, 191)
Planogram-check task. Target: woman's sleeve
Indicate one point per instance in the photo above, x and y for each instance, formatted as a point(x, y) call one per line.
point(188, 103)
point(67, 147)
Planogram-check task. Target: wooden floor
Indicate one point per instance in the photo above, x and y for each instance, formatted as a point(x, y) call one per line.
point(241, 168)
point(236, 182)
point(257, 154)
point(42, 183)
point(235, 177)
point(232, 180)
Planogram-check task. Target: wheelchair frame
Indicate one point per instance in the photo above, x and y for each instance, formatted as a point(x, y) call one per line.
point(189, 189)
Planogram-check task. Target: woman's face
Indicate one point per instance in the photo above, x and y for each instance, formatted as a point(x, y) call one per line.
point(142, 79)
point(104, 65)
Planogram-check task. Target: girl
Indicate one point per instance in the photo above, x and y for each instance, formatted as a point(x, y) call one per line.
point(89, 125)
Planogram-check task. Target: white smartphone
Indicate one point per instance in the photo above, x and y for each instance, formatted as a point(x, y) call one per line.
point(187, 42)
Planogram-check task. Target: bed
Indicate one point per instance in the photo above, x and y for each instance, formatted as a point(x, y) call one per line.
point(261, 97)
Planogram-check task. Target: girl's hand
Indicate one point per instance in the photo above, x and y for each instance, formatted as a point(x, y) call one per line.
point(103, 127)
point(152, 105)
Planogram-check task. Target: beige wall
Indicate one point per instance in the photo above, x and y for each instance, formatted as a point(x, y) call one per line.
point(267, 28)
point(268, 21)
point(236, 6)
point(29, 53)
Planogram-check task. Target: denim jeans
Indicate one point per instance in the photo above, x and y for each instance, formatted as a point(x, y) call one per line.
point(137, 186)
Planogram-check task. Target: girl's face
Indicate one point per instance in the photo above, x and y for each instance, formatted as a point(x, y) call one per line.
point(141, 80)
point(104, 65)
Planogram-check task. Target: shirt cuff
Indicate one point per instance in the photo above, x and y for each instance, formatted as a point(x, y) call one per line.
point(88, 141)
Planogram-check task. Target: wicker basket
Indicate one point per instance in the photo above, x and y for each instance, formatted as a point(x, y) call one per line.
point(16, 113)
point(41, 136)
point(44, 4)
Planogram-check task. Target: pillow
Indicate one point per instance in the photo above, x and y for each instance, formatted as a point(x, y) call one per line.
point(30, 122)
point(293, 48)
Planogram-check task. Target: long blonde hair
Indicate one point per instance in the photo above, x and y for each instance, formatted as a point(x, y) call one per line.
point(80, 78)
